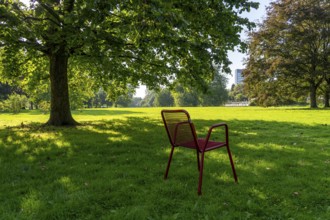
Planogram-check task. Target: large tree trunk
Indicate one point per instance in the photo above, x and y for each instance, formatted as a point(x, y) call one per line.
point(60, 113)
point(327, 97)
point(312, 96)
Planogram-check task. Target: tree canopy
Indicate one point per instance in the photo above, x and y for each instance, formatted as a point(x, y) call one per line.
point(150, 41)
point(289, 54)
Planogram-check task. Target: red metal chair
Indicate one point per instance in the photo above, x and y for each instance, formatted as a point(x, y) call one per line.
point(181, 132)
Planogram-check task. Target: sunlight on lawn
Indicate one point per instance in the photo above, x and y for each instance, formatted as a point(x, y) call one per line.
point(31, 203)
point(66, 182)
point(256, 192)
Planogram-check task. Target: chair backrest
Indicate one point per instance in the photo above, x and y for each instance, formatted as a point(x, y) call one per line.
point(179, 127)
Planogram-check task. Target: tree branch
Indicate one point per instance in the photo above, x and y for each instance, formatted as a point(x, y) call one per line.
point(69, 4)
point(34, 45)
point(42, 19)
point(51, 12)
point(141, 60)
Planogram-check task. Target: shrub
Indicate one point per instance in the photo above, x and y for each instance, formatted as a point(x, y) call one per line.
point(44, 106)
point(15, 103)
point(2, 107)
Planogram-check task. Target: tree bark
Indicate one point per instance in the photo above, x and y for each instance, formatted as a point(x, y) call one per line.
point(327, 97)
point(312, 96)
point(60, 113)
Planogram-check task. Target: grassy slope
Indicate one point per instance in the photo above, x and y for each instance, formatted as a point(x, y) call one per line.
point(112, 167)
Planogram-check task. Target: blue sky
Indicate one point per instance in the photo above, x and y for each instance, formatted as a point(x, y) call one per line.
point(235, 57)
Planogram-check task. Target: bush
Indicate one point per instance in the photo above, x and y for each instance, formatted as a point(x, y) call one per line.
point(2, 107)
point(15, 103)
point(44, 106)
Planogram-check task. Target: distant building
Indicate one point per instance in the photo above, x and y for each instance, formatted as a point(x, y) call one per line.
point(238, 76)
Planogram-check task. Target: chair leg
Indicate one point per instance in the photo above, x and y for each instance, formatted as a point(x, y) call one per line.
point(198, 163)
point(169, 163)
point(232, 163)
point(201, 175)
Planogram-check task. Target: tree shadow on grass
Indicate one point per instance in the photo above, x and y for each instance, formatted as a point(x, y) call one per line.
point(115, 168)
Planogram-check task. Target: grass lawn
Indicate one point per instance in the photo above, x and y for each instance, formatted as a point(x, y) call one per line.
point(112, 166)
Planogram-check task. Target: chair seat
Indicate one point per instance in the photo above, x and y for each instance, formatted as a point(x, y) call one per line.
point(201, 143)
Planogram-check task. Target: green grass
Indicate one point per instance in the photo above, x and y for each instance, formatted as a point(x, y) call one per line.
point(112, 167)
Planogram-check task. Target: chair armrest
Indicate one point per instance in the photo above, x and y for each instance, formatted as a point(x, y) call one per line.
point(210, 132)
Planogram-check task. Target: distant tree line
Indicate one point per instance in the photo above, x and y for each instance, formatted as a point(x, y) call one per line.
point(215, 95)
point(13, 98)
point(237, 93)
point(89, 95)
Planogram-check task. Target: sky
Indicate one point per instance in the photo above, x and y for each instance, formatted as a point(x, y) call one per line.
point(235, 57)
